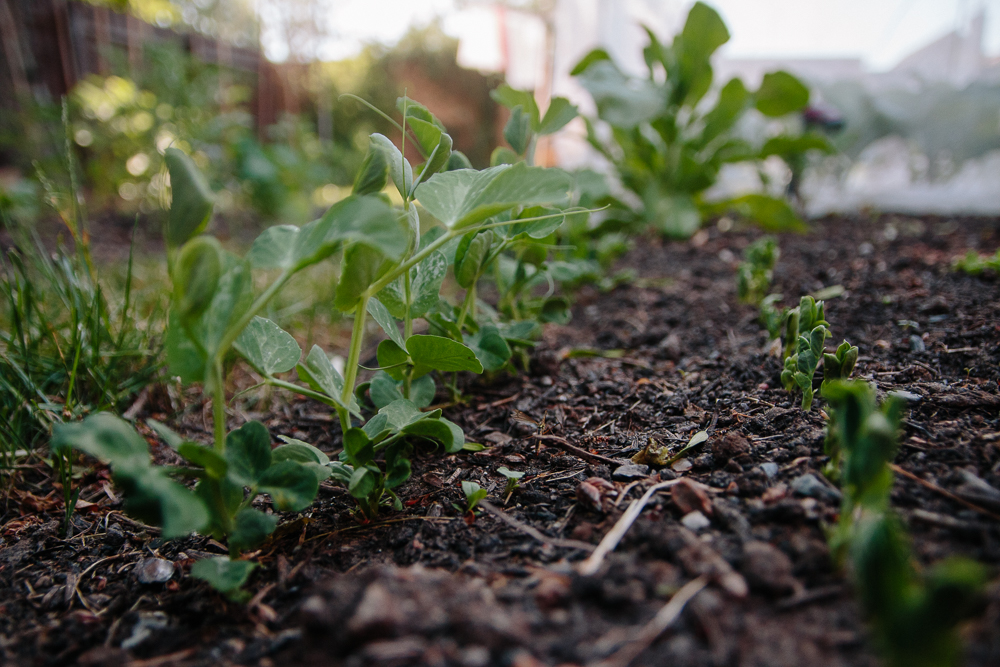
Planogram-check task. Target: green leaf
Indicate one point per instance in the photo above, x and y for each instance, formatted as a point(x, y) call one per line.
point(105, 437)
point(427, 134)
point(402, 413)
point(536, 229)
point(425, 287)
point(358, 446)
point(556, 309)
point(509, 474)
point(318, 372)
point(489, 347)
point(559, 113)
point(675, 216)
point(251, 529)
point(385, 320)
point(704, 32)
point(248, 452)
point(366, 220)
point(502, 155)
point(374, 173)
point(472, 251)
point(292, 486)
point(399, 167)
point(397, 469)
point(621, 102)
point(597, 55)
point(222, 574)
point(440, 354)
point(788, 146)
point(362, 266)
point(390, 355)
point(267, 347)
point(732, 102)
point(456, 161)
point(772, 214)
point(473, 494)
point(384, 390)
point(780, 93)
point(153, 498)
point(510, 98)
point(466, 197)
point(166, 434)
point(422, 391)
point(305, 454)
point(362, 483)
point(215, 466)
point(191, 198)
point(518, 132)
point(196, 276)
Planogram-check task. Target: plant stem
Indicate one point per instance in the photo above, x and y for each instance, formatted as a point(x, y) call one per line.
point(234, 331)
point(354, 355)
point(408, 321)
point(333, 402)
point(219, 406)
point(469, 303)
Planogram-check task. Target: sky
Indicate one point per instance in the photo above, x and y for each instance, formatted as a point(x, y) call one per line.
point(880, 32)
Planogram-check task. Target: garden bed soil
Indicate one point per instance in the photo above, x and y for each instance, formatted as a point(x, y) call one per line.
point(429, 585)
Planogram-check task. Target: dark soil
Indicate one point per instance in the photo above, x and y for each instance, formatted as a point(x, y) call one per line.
point(430, 586)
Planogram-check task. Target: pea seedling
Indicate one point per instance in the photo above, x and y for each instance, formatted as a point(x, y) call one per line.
point(473, 494)
point(512, 480)
point(754, 274)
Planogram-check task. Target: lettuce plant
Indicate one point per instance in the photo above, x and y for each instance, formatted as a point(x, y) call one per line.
point(668, 146)
point(913, 613)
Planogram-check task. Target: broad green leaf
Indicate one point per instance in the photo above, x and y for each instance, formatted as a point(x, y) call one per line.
point(428, 134)
point(439, 158)
point(358, 446)
point(510, 98)
point(196, 276)
point(518, 132)
point(390, 355)
point(466, 197)
point(251, 529)
point(733, 100)
point(425, 287)
point(362, 483)
point(267, 347)
point(676, 216)
point(362, 266)
point(399, 167)
point(622, 102)
point(224, 497)
point(413, 109)
point(490, 347)
point(556, 309)
point(153, 498)
point(422, 391)
point(473, 493)
point(191, 198)
point(215, 466)
point(292, 486)
point(469, 257)
point(448, 434)
point(536, 229)
point(105, 437)
point(374, 173)
point(380, 314)
point(319, 373)
point(441, 354)
point(384, 390)
point(305, 454)
point(502, 155)
point(456, 161)
point(400, 414)
point(595, 56)
point(222, 574)
point(559, 113)
point(366, 220)
point(248, 452)
point(771, 213)
point(397, 469)
point(184, 358)
point(703, 33)
point(780, 93)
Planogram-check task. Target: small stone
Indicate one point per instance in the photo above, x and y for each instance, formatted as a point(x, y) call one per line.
point(497, 438)
point(767, 568)
point(917, 344)
point(695, 521)
point(729, 446)
point(378, 613)
point(629, 472)
point(808, 485)
point(908, 396)
point(770, 469)
point(682, 466)
point(689, 497)
point(154, 571)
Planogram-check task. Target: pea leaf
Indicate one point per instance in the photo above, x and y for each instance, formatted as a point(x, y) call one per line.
point(215, 466)
point(318, 372)
point(732, 102)
point(438, 430)
point(422, 391)
point(196, 276)
point(267, 347)
point(191, 198)
point(304, 454)
point(248, 452)
point(358, 446)
point(465, 197)
point(401, 413)
point(441, 354)
point(518, 132)
point(469, 256)
point(425, 287)
point(152, 497)
point(223, 574)
point(251, 529)
point(292, 486)
point(362, 266)
point(489, 347)
point(621, 102)
point(511, 98)
point(366, 220)
point(384, 390)
point(105, 437)
point(399, 167)
point(559, 113)
point(381, 314)
point(374, 173)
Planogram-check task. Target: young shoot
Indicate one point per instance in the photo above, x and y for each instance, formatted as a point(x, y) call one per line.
point(512, 480)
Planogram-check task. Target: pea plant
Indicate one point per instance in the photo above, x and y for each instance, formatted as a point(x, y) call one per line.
point(386, 270)
point(754, 274)
point(913, 613)
point(668, 145)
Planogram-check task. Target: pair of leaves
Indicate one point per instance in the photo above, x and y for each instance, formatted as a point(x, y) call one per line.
point(559, 113)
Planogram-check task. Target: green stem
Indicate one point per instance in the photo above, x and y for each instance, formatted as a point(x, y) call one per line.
point(408, 321)
point(354, 355)
point(219, 406)
point(342, 412)
point(468, 304)
point(405, 267)
point(258, 305)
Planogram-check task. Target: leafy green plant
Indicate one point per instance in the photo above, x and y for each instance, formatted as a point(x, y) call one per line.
point(668, 146)
point(754, 274)
point(806, 330)
point(512, 477)
point(838, 366)
point(975, 264)
point(473, 494)
point(914, 613)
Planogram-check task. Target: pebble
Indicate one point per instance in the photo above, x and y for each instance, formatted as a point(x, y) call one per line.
point(917, 344)
point(809, 485)
point(629, 472)
point(908, 396)
point(767, 568)
point(154, 571)
point(682, 465)
point(770, 469)
point(695, 521)
point(497, 438)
